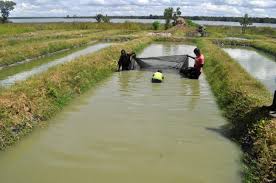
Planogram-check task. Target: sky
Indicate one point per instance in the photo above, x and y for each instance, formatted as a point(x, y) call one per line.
point(256, 8)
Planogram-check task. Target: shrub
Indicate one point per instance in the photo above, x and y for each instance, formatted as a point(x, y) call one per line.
point(156, 25)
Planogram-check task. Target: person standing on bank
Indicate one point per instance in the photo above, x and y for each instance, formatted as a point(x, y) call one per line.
point(195, 72)
point(125, 61)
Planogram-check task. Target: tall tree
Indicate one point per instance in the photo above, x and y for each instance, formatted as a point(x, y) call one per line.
point(178, 12)
point(168, 14)
point(6, 7)
point(176, 15)
point(106, 19)
point(245, 22)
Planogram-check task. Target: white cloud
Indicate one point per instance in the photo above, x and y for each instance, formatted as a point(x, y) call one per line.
point(144, 7)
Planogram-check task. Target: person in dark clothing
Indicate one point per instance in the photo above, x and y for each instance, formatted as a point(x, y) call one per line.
point(125, 61)
point(273, 106)
point(194, 72)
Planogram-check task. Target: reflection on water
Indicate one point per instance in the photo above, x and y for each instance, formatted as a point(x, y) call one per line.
point(130, 130)
point(26, 74)
point(258, 65)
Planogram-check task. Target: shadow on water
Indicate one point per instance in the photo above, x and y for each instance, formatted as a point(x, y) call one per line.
point(240, 124)
point(224, 131)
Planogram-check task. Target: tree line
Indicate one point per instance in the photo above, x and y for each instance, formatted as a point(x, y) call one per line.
point(206, 18)
point(233, 19)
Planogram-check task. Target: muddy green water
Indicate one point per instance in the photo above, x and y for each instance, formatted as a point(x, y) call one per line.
point(258, 64)
point(129, 130)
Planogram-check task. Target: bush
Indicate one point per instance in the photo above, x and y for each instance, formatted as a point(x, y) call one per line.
point(156, 25)
point(106, 19)
point(190, 23)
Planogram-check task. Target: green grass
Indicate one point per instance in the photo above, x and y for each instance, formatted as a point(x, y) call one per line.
point(190, 23)
point(12, 29)
point(9, 71)
point(266, 46)
point(241, 97)
point(12, 54)
point(251, 32)
point(41, 45)
point(39, 36)
point(19, 42)
point(263, 45)
point(25, 105)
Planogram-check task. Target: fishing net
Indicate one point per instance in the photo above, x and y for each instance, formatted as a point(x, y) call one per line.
point(164, 62)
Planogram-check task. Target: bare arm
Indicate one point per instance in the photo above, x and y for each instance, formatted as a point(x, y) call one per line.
point(190, 57)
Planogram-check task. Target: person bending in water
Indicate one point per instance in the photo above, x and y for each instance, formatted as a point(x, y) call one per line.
point(194, 72)
point(125, 61)
point(157, 77)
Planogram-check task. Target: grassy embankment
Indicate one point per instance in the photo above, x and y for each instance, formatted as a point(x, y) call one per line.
point(38, 36)
point(261, 38)
point(13, 29)
point(9, 71)
point(263, 45)
point(25, 105)
point(41, 39)
point(241, 97)
point(19, 52)
point(251, 32)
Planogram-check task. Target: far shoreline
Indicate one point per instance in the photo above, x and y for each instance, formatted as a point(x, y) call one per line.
point(270, 20)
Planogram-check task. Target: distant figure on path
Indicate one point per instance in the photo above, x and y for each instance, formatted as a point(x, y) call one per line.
point(125, 61)
point(194, 72)
point(157, 77)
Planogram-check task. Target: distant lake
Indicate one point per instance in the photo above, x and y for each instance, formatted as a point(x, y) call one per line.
point(202, 22)
point(48, 20)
